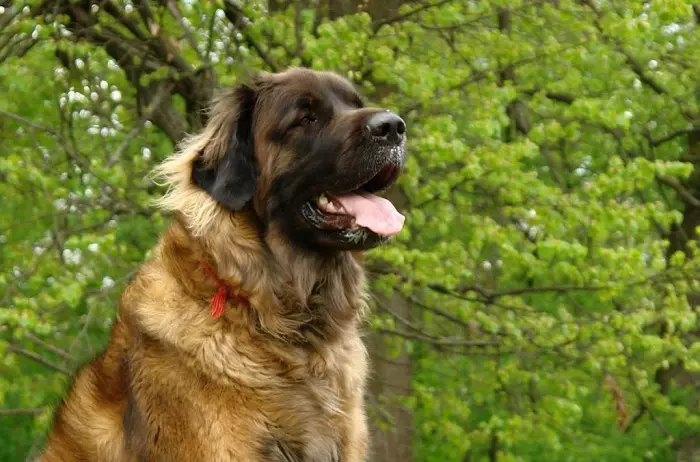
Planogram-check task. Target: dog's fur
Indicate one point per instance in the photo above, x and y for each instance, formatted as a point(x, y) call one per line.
point(280, 378)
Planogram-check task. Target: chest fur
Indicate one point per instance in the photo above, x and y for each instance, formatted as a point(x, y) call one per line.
point(245, 403)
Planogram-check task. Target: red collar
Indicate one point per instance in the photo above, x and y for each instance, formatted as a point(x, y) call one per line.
point(223, 293)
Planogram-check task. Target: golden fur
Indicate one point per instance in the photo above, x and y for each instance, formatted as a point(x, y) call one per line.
point(279, 380)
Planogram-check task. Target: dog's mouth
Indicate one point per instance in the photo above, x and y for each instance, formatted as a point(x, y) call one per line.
point(359, 207)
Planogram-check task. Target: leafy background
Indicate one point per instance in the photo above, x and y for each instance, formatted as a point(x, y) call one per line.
point(541, 304)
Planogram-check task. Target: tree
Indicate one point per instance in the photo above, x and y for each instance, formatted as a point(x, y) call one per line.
point(544, 292)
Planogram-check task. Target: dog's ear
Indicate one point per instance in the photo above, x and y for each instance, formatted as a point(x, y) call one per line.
point(230, 179)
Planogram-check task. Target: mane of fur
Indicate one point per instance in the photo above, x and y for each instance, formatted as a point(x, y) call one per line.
point(176, 172)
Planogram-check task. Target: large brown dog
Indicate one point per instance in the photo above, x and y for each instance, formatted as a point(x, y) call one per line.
point(239, 340)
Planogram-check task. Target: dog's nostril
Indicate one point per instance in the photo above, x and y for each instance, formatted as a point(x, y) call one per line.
point(386, 127)
point(383, 130)
point(401, 128)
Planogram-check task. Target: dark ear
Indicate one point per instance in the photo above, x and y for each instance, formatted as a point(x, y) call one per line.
point(231, 180)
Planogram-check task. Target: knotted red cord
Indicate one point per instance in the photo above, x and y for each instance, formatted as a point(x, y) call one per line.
point(218, 302)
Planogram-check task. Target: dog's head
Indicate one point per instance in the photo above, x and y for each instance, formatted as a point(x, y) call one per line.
point(300, 150)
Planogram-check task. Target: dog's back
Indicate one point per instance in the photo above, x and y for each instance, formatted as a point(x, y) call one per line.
point(88, 423)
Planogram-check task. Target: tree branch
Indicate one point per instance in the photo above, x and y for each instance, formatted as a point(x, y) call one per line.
point(237, 17)
point(318, 17)
point(554, 96)
point(114, 11)
point(480, 76)
point(137, 57)
point(156, 102)
point(174, 9)
point(636, 67)
point(638, 416)
point(634, 64)
point(28, 122)
point(376, 25)
point(49, 347)
point(444, 314)
point(439, 342)
point(13, 412)
point(685, 195)
point(38, 358)
point(669, 137)
point(652, 414)
point(639, 70)
point(298, 32)
point(492, 295)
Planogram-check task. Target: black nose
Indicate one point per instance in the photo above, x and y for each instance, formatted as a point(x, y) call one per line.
point(386, 127)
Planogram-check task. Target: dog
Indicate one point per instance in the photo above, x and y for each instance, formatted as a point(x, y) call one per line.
point(239, 339)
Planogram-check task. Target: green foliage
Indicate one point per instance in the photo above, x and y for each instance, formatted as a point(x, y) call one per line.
point(550, 168)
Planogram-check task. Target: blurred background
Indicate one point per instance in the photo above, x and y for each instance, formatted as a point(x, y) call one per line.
point(541, 303)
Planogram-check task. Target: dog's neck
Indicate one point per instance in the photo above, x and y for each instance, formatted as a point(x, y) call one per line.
point(293, 293)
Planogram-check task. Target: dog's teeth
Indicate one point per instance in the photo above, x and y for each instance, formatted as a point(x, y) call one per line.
point(323, 200)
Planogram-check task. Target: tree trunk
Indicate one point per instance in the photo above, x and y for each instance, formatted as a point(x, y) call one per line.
point(687, 448)
point(391, 378)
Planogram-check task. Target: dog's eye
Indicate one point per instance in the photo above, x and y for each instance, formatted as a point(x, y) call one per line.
point(307, 120)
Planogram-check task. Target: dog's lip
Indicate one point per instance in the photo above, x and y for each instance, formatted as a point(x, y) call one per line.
point(380, 181)
point(385, 177)
point(324, 220)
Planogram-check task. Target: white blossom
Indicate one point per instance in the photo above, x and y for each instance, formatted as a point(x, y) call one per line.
point(107, 282)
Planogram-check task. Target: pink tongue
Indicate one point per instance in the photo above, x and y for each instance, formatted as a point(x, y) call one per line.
point(373, 212)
